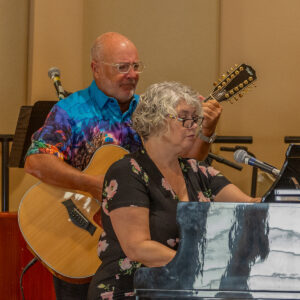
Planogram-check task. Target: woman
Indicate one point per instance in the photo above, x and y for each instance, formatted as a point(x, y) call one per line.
point(141, 191)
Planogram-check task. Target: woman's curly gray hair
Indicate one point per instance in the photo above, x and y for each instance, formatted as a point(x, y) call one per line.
point(158, 101)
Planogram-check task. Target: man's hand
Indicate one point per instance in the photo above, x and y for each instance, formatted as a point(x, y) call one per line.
point(211, 111)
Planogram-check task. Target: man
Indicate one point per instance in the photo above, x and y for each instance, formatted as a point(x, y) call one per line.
point(81, 123)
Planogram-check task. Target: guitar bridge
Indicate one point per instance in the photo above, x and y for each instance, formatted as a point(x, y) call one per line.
point(78, 218)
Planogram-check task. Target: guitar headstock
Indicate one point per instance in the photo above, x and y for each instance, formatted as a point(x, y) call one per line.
point(234, 83)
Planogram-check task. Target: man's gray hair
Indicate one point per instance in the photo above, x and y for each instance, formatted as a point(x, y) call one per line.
point(97, 50)
point(158, 101)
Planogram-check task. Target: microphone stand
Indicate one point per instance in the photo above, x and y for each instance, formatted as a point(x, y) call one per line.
point(224, 161)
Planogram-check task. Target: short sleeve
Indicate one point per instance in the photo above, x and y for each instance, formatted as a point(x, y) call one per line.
point(54, 137)
point(216, 180)
point(125, 184)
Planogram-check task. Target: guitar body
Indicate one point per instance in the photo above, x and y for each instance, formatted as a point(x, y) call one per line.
point(60, 225)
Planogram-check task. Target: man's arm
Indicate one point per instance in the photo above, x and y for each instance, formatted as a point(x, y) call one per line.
point(52, 170)
point(211, 111)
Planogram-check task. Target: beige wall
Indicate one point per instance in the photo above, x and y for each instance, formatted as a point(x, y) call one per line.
point(13, 62)
point(56, 39)
point(178, 40)
point(266, 35)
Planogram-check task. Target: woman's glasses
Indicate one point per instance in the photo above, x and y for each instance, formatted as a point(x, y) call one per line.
point(188, 122)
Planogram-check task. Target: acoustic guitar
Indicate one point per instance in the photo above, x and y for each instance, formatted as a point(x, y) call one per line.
point(61, 227)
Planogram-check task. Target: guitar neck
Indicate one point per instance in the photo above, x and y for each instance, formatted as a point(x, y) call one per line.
point(209, 98)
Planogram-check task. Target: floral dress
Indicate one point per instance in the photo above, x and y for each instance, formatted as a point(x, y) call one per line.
point(136, 181)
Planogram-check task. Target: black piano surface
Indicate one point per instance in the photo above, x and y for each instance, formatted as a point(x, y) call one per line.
point(287, 185)
point(233, 250)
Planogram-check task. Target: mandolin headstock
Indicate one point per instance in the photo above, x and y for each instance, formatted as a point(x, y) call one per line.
point(234, 84)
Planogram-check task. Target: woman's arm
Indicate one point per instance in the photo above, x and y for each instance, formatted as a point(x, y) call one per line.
point(131, 225)
point(231, 193)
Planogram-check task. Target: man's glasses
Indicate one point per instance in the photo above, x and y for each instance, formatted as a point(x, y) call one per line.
point(124, 68)
point(188, 122)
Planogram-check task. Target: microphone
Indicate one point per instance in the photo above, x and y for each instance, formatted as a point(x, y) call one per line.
point(242, 156)
point(54, 74)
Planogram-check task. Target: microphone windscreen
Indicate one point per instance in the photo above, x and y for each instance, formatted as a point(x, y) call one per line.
point(54, 71)
point(240, 155)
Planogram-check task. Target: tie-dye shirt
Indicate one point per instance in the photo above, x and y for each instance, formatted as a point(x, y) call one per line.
point(81, 123)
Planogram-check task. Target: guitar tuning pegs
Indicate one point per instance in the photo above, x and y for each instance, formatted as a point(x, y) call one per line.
point(215, 83)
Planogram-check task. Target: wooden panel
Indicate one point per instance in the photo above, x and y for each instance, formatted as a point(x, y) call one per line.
point(14, 256)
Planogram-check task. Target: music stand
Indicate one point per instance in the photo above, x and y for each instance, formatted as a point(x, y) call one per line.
point(31, 118)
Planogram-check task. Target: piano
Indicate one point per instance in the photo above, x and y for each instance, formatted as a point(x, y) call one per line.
point(287, 185)
point(234, 250)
